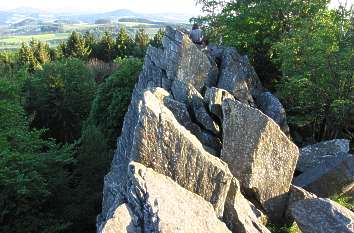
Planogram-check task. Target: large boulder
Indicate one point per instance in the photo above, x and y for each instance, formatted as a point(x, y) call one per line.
point(163, 206)
point(314, 155)
point(122, 221)
point(239, 215)
point(161, 143)
point(330, 178)
point(322, 216)
point(259, 155)
point(271, 106)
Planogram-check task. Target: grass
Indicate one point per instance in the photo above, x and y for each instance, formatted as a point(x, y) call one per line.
point(274, 228)
point(8, 42)
point(345, 201)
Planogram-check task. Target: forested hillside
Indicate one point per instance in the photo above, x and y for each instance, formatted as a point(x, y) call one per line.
point(62, 108)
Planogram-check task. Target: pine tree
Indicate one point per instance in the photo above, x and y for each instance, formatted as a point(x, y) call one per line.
point(91, 43)
point(142, 38)
point(107, 51)
point(124, 44)
point(27, 58)
point(41, 52)
point(76, 47)
point(157, 40)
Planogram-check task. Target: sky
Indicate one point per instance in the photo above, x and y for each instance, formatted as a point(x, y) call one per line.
point(141, 6)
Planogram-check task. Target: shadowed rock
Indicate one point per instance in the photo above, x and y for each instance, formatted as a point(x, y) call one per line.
point(322, 216)
point(164, 206)
point(324, 152)
point(330, 178)
point(238, 215)
point(161, 143)
point(259, 155)
point(297, 194)
point(271, 106)
point(214, 97)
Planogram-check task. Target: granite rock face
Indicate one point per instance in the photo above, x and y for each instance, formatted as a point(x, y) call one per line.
point(259, 155)
point(214, 97)
point(322, 216)
point(329, 178)
point(161, 143)
point(314, 155)
point(122, 221)
point(163, 206)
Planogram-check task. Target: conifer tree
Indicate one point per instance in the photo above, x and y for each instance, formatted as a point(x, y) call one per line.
point(142, 40)
point(76, 46)
point(107, 51)
point(124, 44)
point(27, 58)
point(157, 40)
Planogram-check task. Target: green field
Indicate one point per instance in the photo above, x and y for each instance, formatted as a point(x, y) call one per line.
point(53, 39)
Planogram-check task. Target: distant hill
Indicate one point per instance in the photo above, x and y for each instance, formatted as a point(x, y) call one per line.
point(25, 22)
point(21, 14)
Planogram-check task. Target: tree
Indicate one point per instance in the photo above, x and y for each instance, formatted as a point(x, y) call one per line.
point(106, 48)
point(157, 40)
point(27, 58)
point(124, 44)
point(316, 60)
point(253, 26)
point(142, 40)
point(40, 51)
point(32, 170)
point(76, 47)
point(59, 98)
point(91, 43)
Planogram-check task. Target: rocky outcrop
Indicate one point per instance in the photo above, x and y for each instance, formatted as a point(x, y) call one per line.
point(195, 153)
point(259, 155)
point(161, 143)
point(315, 155)
point(161, 205)
point(329, 178)
point(322, 216)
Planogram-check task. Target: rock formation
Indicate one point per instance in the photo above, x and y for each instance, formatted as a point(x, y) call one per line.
point(195, 154)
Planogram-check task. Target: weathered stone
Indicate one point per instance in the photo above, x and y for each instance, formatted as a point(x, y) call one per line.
point(297, 194)
point(121, 222)
point(235, 76)
point(238, 214)
point(328, 179)
point(181, 60)
point(161, 143)
point(166, 207)
point(324, 152)
point(271, 106)
point(259, 155)
point(322, 216)
point(214, 97)
point(188, 95)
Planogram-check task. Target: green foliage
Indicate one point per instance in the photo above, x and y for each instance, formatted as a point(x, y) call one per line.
point(76, 47)
point(113, 97)
point(346, 201)
point(316, 59)
point(106, 50)
point(28, 59)
point(253, 26)
point(142, 41)
point(286, 228)
point(157, 40)
point(32, 170)
point(59, 98)
point(124, 43)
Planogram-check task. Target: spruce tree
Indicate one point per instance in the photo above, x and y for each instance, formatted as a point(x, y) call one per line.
point(157, 40)
point(107, 51)
point(27, 58)
point(124, 44)
point(76, 47)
